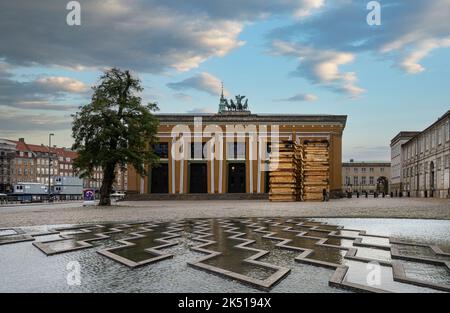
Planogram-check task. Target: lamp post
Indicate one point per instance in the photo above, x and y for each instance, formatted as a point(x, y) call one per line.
point(49, 160)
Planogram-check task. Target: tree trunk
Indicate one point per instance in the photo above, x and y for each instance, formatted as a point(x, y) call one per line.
point(107, 183)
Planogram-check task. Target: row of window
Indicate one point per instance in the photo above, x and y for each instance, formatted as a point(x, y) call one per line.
point(431, 139)
point(363, 169)
point(235, 150)
point(428, 167)
point(357, 182)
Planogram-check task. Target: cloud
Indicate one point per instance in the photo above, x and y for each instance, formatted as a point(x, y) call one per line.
point(63, 84)
point(410, 30)
point(410, 62)
point(201, 110)
point(321, 66)
point(42, 93)
point(150, 36)
point(202, 82)
point(301, 97)
point(14, 121)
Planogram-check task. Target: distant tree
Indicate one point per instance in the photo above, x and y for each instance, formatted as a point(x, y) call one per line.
point(114, 130)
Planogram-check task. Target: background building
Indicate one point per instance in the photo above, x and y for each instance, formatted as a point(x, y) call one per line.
point(7, 154)
point(24, 162)
point(397, 160)
point(366, 176)
point(239, 171)
point(425, 161)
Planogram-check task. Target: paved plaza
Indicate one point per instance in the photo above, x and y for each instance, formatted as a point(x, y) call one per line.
point(240, 254)
point(75, 213)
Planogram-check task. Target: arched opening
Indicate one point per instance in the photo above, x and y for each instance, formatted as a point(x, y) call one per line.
point(382, 185)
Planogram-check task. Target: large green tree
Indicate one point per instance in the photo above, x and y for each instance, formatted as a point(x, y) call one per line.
point(114, 130)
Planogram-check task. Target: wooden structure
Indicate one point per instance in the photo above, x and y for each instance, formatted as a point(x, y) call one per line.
point(316, 170)
point(285, 175)
point(299, 172)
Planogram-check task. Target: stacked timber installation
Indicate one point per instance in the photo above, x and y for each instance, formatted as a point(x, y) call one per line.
point(300, 171)
point(316, 169)
point(237, 167)
point(286, 172)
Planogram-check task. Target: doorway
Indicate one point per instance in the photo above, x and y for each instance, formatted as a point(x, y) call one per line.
point(198, 178)
point(160, 179)
point(432, 174)
point(236, 177)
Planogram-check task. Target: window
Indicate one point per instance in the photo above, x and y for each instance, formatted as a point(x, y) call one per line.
point(162, 150)
point(363, 180)
point(439, 163)
point(235, 150)
point(439, 136)
point(371, 169)
point(347, 180)
point(446, 161)
point(355, 170)
point(197, 150)
point(371, 180)
point(363, 170)
point(355, 180)
point(382, 169)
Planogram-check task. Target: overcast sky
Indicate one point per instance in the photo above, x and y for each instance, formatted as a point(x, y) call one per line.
point(286, 56)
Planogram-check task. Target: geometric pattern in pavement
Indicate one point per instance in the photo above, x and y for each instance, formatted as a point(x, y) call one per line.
point(261, 251)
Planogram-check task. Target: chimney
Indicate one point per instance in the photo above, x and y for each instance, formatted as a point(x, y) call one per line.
point(351, 160)
point(22, 140)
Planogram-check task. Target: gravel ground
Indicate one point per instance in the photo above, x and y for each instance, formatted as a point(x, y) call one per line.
point(73, 213)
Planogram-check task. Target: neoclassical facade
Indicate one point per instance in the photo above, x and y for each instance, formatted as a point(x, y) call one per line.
point(237, 162)
point(426, 160)
point(397, 160)
point(366, 176)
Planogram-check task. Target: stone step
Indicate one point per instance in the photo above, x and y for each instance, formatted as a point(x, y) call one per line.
point(197, 196)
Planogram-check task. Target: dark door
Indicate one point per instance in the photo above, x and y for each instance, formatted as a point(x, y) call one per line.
point(266, 182)
point(236, 178)
point(198, 178)
point(160, 179)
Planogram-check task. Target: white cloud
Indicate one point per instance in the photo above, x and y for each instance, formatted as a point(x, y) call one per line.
point(61, 83)
point(42, 93)
point(301, 97)
point(203, 82)
point(201, 110)
point(308, 7)
point(321, 66)
point(411, 61)
point(150, 36)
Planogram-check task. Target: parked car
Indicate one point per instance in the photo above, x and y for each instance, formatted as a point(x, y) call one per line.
point(117, 195)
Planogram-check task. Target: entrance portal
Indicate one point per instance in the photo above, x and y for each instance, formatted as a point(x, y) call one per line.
point(160, 179)
point(236, 177)
point(198, 178)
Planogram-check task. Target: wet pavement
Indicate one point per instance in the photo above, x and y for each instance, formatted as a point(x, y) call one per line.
point(283, 254)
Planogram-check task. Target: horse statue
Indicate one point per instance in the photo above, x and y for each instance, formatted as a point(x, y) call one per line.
point(232, 106)
point(245, 106)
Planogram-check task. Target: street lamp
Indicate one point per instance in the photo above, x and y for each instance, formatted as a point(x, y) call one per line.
point(49, 160)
